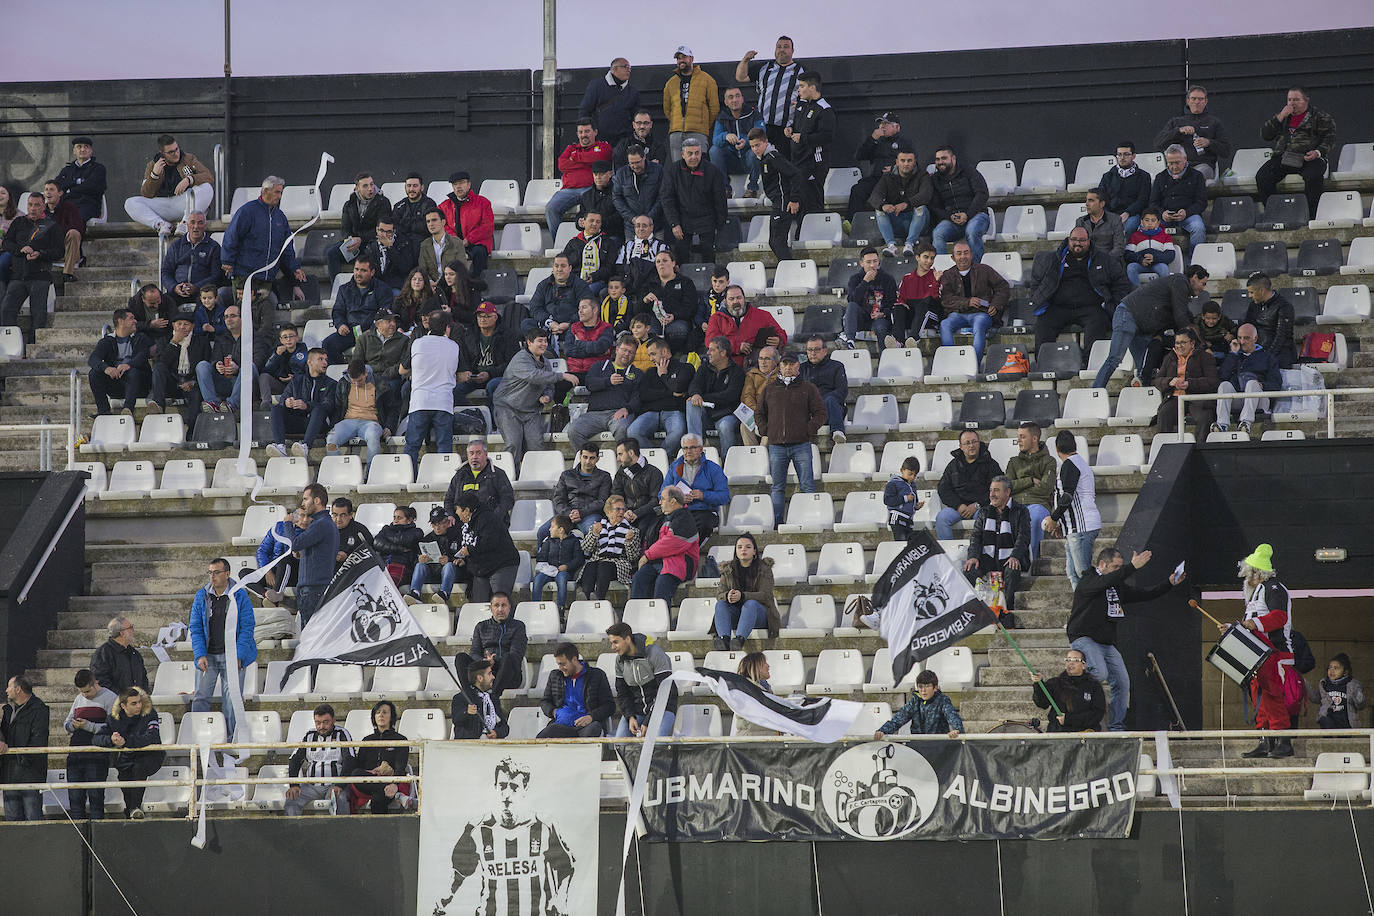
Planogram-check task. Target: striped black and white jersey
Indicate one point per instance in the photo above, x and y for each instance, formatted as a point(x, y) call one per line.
point(1270, 604)
point(1075, 496)
point(777, 87)
point(525, 869)
point(324, 759)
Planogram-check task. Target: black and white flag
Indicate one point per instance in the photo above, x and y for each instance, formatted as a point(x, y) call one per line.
point(362, 620)
point(924, 603)
point(818, 719)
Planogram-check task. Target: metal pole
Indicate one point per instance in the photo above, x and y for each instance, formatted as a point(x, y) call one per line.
point(228, 96)
point(1331, 416)
point(550, 80)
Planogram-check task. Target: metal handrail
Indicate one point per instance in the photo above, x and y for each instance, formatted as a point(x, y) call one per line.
point(68, 428)
point(1328, 393)
point(217, 160)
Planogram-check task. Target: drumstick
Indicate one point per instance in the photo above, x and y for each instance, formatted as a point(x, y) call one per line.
point(1204, 613)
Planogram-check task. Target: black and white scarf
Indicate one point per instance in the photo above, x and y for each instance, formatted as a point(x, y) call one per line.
point(998, 539)
point(1126, 173)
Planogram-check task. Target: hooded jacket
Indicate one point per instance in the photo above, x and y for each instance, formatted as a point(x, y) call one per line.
point(964, 482)
point(637, 677)
point(604, 395)
point(596, 694)
point(503, 638)
point(254, 237)
point(553, 302)
point(726, 123)
point(676, 544)
point(355, 306)
point(1161, 304)
point(694, 198)
point(607, 247)
point(524, 382)
point(1273, 323)
point(383, 357)
point(721, 387)
point(565, 551)
point(893, 187)
point(142, 731)
point(1081, 698)
point(703, 102)
point(710, 480)
point(370, 758)
point(1206, 125)
point(1024, 468)
point(384, 394)
point(732, 577)
point(408, 216)
point(1238, 367)
point(640, 485)
point(583, 346)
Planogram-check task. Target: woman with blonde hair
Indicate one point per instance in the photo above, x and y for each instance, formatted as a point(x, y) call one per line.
point(753, 666)
point(611, 546)
point(134, 725)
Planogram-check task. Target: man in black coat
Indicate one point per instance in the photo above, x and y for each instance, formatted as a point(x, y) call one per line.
point(174, 372)
point(23, 723)
point(577, 697)
point(638, 482)
point(479, 476)
point(83, 179)
point(34, 241)
point(694, 203)
point(1000, 541)
point(501, 640)
point(119, 365)
point(964, 486)
point(1148, 310)
point(117, 664)
point(476, 712)
point(1079, 285)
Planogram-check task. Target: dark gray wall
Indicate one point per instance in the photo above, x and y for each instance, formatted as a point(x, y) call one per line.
point(1013, 103)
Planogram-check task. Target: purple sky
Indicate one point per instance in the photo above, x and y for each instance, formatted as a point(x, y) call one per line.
point(110, 42)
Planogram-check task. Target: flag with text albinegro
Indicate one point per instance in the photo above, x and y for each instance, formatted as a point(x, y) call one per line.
point(924, 604)
point(362, 620)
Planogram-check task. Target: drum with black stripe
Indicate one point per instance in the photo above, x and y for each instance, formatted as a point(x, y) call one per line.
point(1239, 654)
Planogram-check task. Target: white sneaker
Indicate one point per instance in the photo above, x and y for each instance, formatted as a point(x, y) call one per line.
point(823, 431)
point(136, 814)
point(298, 449)
point(273, 596)
point(911, 343)
point(890, 342)
point(163, 227)
point(844, 341)
point(182, 228)
point(872, 621)
point(908, 251)
point(838, 437)
point(276, 450)
point(891, 250)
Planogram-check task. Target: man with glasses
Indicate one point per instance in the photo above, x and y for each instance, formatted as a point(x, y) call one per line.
point(610, 102)
point(831, 381)
point(755, 381)
point(394, 256)
point(1098, 606)
point(209, 613)
point(1077, 694)
point(117, 664)
point(1127, 188)
point(707, 487)
point(352, 533)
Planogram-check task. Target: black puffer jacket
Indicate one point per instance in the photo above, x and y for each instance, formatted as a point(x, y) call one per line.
point(1105, 273)
point(26, 726)
point(963, 190)
point(118, 667)
point(694, 199)
point(967, 482)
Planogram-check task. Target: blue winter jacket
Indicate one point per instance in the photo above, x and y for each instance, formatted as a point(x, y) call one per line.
point(200, 625)
point(936, 716)
point(254, 237)
point(710, 480)
point(270, 548)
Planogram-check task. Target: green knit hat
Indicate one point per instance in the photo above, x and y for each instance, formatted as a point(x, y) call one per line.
point(1261, 559)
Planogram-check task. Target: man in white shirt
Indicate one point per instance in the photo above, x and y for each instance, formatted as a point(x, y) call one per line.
point(433, 370)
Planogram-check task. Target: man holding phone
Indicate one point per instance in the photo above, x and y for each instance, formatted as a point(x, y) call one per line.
point(163, 198)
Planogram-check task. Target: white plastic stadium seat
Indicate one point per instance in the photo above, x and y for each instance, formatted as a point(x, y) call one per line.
point(1345, 304)
point(520, 240)
point(927, 411)
point(1089, 173)
point(1162, 439)
point(1361, 258)
point(538, 193)
point(697, 721)
point(647, 615)
point(1338, 210)
point(838, 671)
point(694, 619)
point(130, 480)
point(1136, 406)
point(900, 366)
point(96, 481)
point(851, 461)
point(1282, 435)
point(264, 725)
point(756, 234)
point(1000, 174)
point(1356, 160)
point(1218, 257)
point(1340, 786)
point(540, 470)
point(750, 276)
point(1068, 214)
point(952, 365)
point(1006, 263)
point(198, 725)
point(240, 197)
point(181, 478)
point(953, 666)
point(1086, 407)
point(787, 671)
point(286, 475)
point(821, 230)
point(858, 365)
point(536, 276)
point(340, 472)
point(172, 681)
point(296, 686)
point(874, 413)
point(300, 202)
point(789, 563)
point(880, 675)
point(337, 683)
point(838, 183)
point(388, 474)
point(1119, 454)
point(882, 558)
point(751, 512)
point(566, 230)
point(1023, 224)
point(795, 278)
point(436, 470)
point(423, 724)
point(227, 481)
point(1041, 175)
point(528, 515)
point(1098, 355)
point(504, 194)
point(374, 516)
point(1245, 164)
point(746, 464)
point(526, 722)
point(809, 616)
point(840, 563)
point(1152, 162)
point(896, 451)
point(111, 433)
point(389, 683)
point(268, 796)
point(167, 799)
point(160, 431)
point(12, 347)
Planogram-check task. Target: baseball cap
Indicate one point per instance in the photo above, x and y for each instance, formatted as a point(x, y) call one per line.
point(599, 166)
point(459, 176)
point(891, 116)
point(486, 308)
point(683, 51)
point(437, 514)
point(388, 314)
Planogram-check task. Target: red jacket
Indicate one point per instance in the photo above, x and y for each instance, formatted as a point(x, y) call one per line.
point(68, 217)
point(479, 224)
point(582, 348)
point(677, 543)
point(575, 163)
point(746, 330)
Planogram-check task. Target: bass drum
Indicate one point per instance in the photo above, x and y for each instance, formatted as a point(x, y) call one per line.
point(1012, 727)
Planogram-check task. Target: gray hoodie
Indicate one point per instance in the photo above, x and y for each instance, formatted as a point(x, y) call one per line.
point(637, 678)
point(524, 382)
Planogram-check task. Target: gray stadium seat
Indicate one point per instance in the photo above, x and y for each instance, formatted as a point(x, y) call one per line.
point(841, 269)
point(215, 430)
point(502, 284)
point(863, 230)
point(995, 356)
point(1270, 257)
point(1057, 360)
point(1234, 304)
point(1232, 214)
point(1318, 257)
point(825, 320)
point(1306, 303)
point(699, 273)
point(1284, 211)
point(982, 410)
point(1036, 406)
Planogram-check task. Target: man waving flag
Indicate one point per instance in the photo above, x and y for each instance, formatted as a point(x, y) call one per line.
point(921, 604)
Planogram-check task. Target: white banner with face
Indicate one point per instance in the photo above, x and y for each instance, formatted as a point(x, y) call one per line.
point(509, 829)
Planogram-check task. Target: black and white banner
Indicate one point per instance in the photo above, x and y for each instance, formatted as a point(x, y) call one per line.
point(888, 790)
point(819, 719)
point(362, 620)
point(509, 829)
point(924, 604)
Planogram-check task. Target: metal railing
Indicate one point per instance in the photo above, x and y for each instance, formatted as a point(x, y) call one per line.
point(1330, 394)
point(194, 778)
point(217, 163)
point(40, 428)
point(73, 406)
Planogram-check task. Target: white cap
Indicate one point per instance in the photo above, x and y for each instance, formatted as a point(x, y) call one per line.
point(683, 51)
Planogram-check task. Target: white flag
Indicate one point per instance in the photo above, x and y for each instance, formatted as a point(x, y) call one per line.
point(362, 620)
point(818, 719)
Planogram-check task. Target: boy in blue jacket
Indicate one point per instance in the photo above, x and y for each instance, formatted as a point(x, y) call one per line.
point(929, 711)
point(209, 614)
point(901, 499)
point(558, 559)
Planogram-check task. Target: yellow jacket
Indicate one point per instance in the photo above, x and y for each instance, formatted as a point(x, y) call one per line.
point(703, 104)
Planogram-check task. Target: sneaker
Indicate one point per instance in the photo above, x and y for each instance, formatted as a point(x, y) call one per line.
point(273, 596)
point(911, 343)
point(127, 411)
point(1217, 428)
point(413, 598)
point(299, 450)
point(68, 278)
point(844, 341)
point(182, 228)
point(153, 407)
point(136, 814)
point(751, 193)
point(838, 437)
point(871, 621)
point(890, 342)
point(441, 598)
point(823, 431)
point(276, 449)
point(1244, 427)
point(720, 644)
point(162, 227)
point(331, 448)
point(890, 251)
point(209, 406)
point(908, 251)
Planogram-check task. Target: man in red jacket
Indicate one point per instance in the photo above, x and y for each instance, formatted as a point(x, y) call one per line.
point(748, 328)
point(468, 216)
point(575, 164)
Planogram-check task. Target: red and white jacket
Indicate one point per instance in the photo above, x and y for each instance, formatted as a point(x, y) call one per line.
point(676, 544)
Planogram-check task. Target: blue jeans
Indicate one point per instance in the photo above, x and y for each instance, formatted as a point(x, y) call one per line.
point(676, 333)
point(1194, 226)
point(740, 619)
point(880, 326)
point(307, 600)
point(563, 199)
point(309, 424)
point(733, 161)
point(1135, 269)
point(945, 520)
point(978, 321)
point(665, 730)
point(650, 581)
point(215, 387)
point(834, 411)
point(1078, 554)
point(423, 573)
point(463, 389)
point(779, 456)
point(947, 232)
point(1104, 663)
point(421, 424)
point(205, 689)
point(1125, 336)
point(368, 430)
point(727, 426)
point(1038, 514)
point(1129, 224)
point(560, 581)
point(671, 422)
point(82, 802)
point(913, 222)
point(23, 805)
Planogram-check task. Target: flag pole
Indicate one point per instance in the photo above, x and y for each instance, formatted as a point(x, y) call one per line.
point(1003, 630)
